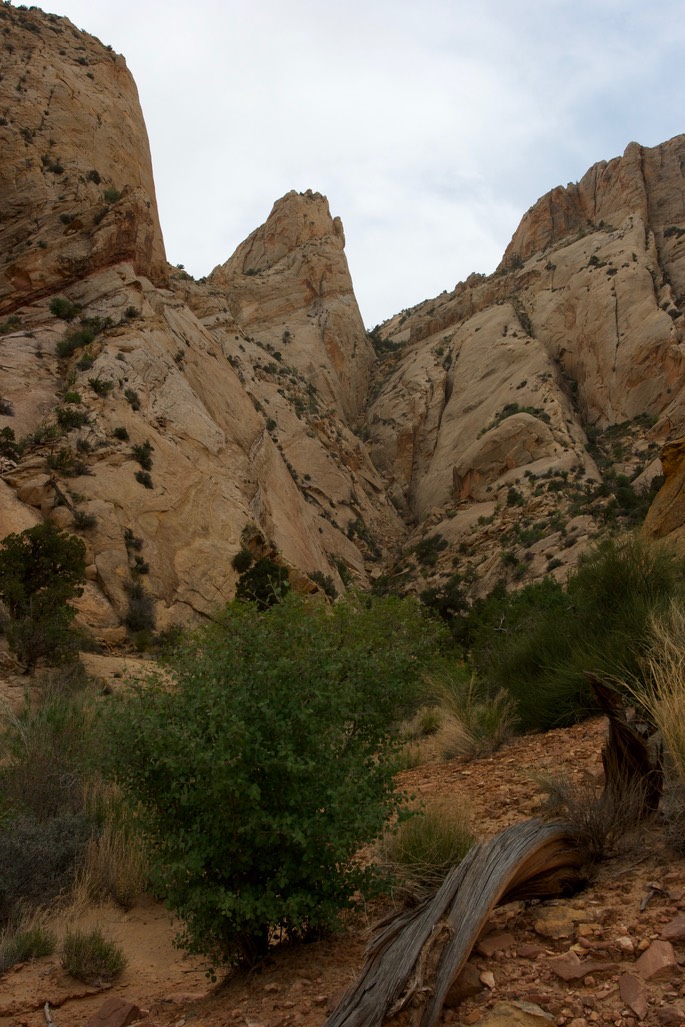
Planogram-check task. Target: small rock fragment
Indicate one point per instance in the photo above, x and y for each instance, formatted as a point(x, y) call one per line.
point(114, 1012)
point(634, 993)
point(657, 962)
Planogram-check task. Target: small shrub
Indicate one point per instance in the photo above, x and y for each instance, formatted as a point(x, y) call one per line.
point(473, 721)
point(143, 454)
point(144, 478)
point(86, 362)
point(93, 176)
point(120, 433)
point(133, 398)
point(242, 560)
point(63, 308)
point(424, 848)
point(32, 940)
point(77, 340)
point(132, 541)
point(131, 312)
point(84, 521)
point(325, 583)
point(264, 583)
point(69, 418)
point(141, 608)
point(111, 195)
point(600, 819)
point(38, 859)
point(8, 444)
point(90, 957)
point(72, 396)
point(101, 386)
point(6, 408)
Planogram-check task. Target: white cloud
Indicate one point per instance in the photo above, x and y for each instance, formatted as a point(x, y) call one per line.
point(431, 127)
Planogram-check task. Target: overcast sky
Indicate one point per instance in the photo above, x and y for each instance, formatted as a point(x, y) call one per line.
point(431, 126)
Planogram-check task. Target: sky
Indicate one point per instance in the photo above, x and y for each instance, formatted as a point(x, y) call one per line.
point(431, 126)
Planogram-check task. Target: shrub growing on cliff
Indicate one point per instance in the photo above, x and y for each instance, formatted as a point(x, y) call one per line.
point(41, 570)
point(269, 762)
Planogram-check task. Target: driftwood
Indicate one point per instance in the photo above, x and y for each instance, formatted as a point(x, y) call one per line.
point(632, 768)
point(417, 954)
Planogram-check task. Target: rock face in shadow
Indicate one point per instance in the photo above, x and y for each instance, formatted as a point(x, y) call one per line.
point(487, 434)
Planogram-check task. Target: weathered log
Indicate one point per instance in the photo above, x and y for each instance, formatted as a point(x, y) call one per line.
point(417, 954)
point(631, 767)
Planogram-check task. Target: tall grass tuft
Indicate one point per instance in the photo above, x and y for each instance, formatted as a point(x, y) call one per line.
point(473, 722)
point(421, 850)
point(25, 940)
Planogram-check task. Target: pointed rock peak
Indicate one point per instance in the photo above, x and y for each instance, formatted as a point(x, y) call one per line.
point(296, 220)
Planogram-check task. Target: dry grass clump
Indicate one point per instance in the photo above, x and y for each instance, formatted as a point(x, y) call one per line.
point(599, 818)
point(474, 723)
point(24, 939)
point(115, 864)
point(92, 958)
point(421, 850)
point(663, 699)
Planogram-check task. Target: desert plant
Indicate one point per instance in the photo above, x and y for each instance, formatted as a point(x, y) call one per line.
point(660, 691)
point(144, 478)
point(242, 560)
point(30, 940)
point(282, 720)
point(63, 308)
point(264, 583)
point(473, 721)
point(6, 408)
point(141, 608)
point(111, 195)
point(600, 819)
point(41, 570)
point(133, 398)
point(120, 433)
point(143, 454)
point(101, 386)
point(69, 417)
point(548, 637)
point(423, 848)
point(9, 447)
point(76, 340)
point(92, 958)
point(84, 521)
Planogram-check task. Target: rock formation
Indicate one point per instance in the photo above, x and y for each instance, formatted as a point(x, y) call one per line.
point(488, 433)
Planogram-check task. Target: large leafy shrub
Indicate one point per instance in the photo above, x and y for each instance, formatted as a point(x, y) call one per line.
point(267, 763)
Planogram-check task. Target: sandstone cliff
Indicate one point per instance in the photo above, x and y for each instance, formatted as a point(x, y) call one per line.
point(489, 433)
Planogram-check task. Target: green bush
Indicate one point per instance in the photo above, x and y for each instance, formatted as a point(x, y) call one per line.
point(90, 957)
point(269, 763)
point(144, 478)
point(61, 307)
point(264, 582)
point(69, 417)
point(143, 454)
point(242, 560)
point(547, 637)
point(41, 570)
point(77, 340)
point(133, 398)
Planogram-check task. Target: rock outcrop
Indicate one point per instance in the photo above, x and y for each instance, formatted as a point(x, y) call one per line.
point(489, 433)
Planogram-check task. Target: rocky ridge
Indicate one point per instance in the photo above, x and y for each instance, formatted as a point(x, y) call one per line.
point(487, 434)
